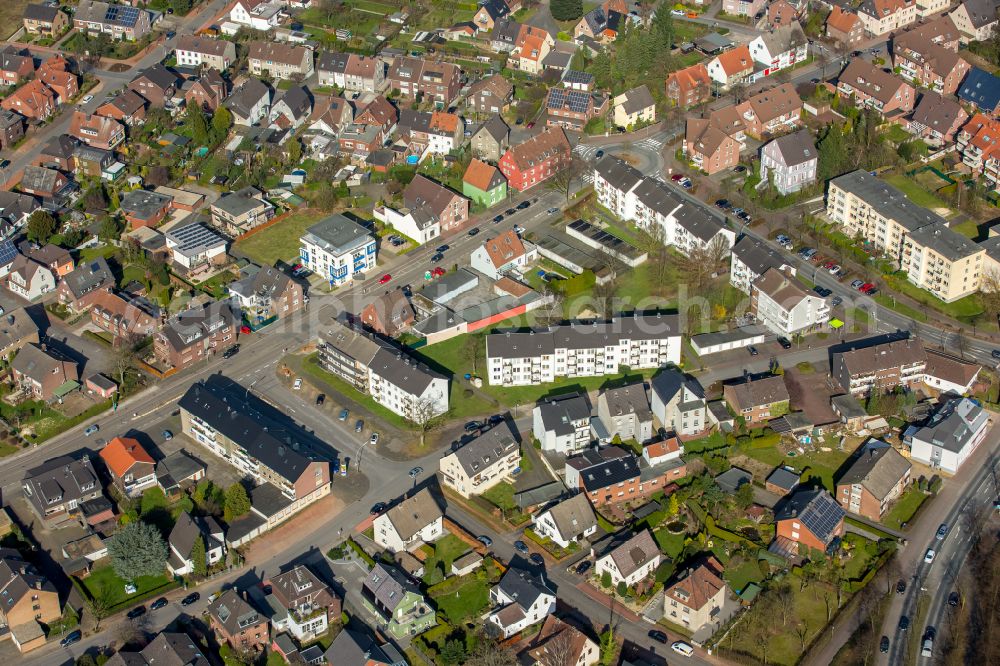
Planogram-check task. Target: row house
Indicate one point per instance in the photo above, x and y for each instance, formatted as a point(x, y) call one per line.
point(449, 209)
point(195, 335)
point(928, 56)
point(118, 21)
point(612, 476)
point(279, 60)
point(215, 413)
point(689, 86)
point(869, 86)
point(435, 132)
point(880, 17)
point(439, 82)
point(844, 28)
point(582, 350)
point(537, 159)
point(208, 92)
point(55, 73)
point(128, 107)
point(34, 100)
point(15, 67)
point(198, 51)
point(96, 131)
point(42, 373)
point(250, 102)
point(491, 95)
point(157, 84)
point(779, 49)
point(124, 317)
point(731, 67)
point(351, 72)
point(45, 20)
point(936, 119)
point(43, 182)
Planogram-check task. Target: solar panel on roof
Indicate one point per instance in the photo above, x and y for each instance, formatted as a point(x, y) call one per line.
point(7, 252)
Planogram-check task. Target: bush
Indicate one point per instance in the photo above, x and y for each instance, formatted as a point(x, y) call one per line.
point(621, 589)
point(606, 580)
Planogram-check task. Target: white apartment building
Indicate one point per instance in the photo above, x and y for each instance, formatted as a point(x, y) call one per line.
point(339, 249)
point(751, 258)
point(195, 51)
point(482, 463)
point(257, 15)
point(420, 225)
point(782, 304)
point(583, 350)
point(562, 423)
point(954, 432)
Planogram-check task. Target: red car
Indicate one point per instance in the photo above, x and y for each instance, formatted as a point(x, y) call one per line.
point(531, 124)
point(438, 272)
point(245, 330)
point(866, 287)
point(385, 278)
point(829, 264)
point(677, 177)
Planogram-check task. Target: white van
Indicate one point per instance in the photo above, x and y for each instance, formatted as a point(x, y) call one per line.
point(680, 647)
point(928, 647)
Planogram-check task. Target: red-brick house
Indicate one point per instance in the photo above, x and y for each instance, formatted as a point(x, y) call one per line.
point(709, 147)
point(82, 286)
point(869, 86)
point(380, 112)
point(121, 317)
point(237, 624)
point(96, 131)
point(42, 182)
point(614, 476)
point(127, 107)
point(55, 74)
point(34, 100)
point(15, 67)
point(810, 518)
point(210, 90)
point(845, 28)
point(771, 112)
point(450, 207)
point(876, 478)
point(929, 55)
point(56, 259)
point(689, 86)
point(388, 314)
point(536, 160)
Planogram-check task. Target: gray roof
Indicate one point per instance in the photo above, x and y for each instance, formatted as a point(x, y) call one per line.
point(757, 391)
point(638, 99)
point(692, 215)
point(734, 477)
point(559, 412)
point(403, 371)
point(981, 12)
point(34, 361)
point(757, 255)
point(936, 112)
point(338, 234)
point(268, 281)
point(247, 96)
point(234, 613)
point(353, 648)
point(574, 516)
point(240, 202)
point(60, 480)
point(189, 327)
point(877, 467)
point(953, 425)
point(297, 100)
point(330, 61)
point(848, 406)
point(523, 586)
point(796, 148)
point(184, 533)
point(39, 179)
point(108, 13)
point(670, 382)
point(784, 38)
point(783, 478)
point(194, 239)
point(90, 275)
point(887, 200)
point(496, 128)
point(388, 586)
point(635, 553)
point(143, 203)
point(621, 175)
point(582, 335)
point(170, 648)
point(482, 452)
point(713, 41)
point(945, 241)
point(41, 12)
point(16, 326)
point(732, 335)
point(630, 399)
point(15, 205)
point(179, 466)
point(415, 513)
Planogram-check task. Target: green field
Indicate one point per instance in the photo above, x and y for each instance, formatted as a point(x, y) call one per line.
point(280, 241)
point(904, 508)
point(819, 464)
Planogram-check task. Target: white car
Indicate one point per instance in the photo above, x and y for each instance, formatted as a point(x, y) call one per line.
point(929, 556)
point(374, 438)
point(298, 384)
point(834, 269)
point(86, 99)
point(680, 647)
point(678, 12)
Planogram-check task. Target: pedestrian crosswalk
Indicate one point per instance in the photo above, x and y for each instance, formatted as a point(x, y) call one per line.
point(587, 177)
point(652, 143)
point(586, 151)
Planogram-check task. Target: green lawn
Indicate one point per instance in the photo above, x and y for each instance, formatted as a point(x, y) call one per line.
point(217, 285)
point(86, 254)
point(901, 308)
point(310, 366)
point(741, 576)
point(280, 241)
point(670, 543)
point(821, 464)
point(783, 646)
point(464, 602)
point(104, 583)
point(502, 496)
point(963, 309)
point(916, 193)
point(904, 508)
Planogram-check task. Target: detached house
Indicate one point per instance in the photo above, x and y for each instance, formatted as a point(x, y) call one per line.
point(291, 109)
point(633, 107)
point(975, 19)
point(29, 279)
point(491, 140)
point(302, 604)
point(29, 600)
point(845, 28)
point(43, 373)
point(505, 253)
point(267, 294)
point(249, 103)
point(520, 600)
point(566, 522)
point(491, 95)
point(397, 602)
point(143, 208)
point(482, 463)
point(731, 67)
point(530, 49)
point(238, 624)
point(127, 107)
point(953, 433)
point(709, 146)
point(489, 13)
point(157, 84)
point(678, 403)
point(194, 335)
point(241, 211)
point(57, 488)
point(562, 423)
point(187, 530)
point(79, 288)
point(881, 17)
point(624, 412)
point(689, 86)
point(631, 561)
point(279, 60)
point(388, 314)
point(780, 48)
point(600, 24)
point(877, 476)
point(790, 161)
point(537, 159)
point(810, 518)
point(783, 304)
point(96, 131)
point(772, 112)
point(868, 86)
point(696, 599)
point(562, 644)
point(15, 67)
point(414, 520)
point(132, 469)
point(758, 399)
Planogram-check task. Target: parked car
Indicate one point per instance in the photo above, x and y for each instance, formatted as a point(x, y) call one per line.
point(677, 177)
point(552, 211)
point(416, 472)
point(942, 531)
point(158, 604)
point(722, 204)
point(783, 341)
point(752, 350)
point(929, 556)
point(438, 271)
point(320, 399)
point(498, 219)
point(91, 430)
point(658, 636)
point(437, 257)
point(904, 623)
point(72, 637)
point(136, 612)
point(343, 414)
point(883, 645)
point(443, 248)
point(373, 439)
point(378, 508)
point(298, 384)
point(167, 435)
point(953, 599)
point(473, 231)
point(536, 559)
point(833, 270)
point(583, 567)
point(837, 300)
point(857, 284)
point(523, 205)
point(190, 599)
point(384, 279)
point(485, 540)
point(472, 426)
point(231, 351)
point(682, 648)
point(521, 547)
point(995, 353)
point(359, 425)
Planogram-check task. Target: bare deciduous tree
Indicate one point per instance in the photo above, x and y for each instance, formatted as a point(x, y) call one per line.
point(562, 181)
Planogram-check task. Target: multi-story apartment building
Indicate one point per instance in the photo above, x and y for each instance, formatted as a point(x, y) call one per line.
point(196, 51)
point(537, 159)
point(439, 82)
point(241, 211)
point(377, 368)
point(750, 258)
point(790, 161)
point(878, 476)
point(279, 60)
point(267, 294)
point(583, 350)
point(624, 412)
point(979, 145)
point(195, 335)
point(307, 606)
point(929, 55)
point(879, 367)
point(338, 249)
point(780, 48)
point(678, 403)
point(881, 17)
point(562, 423)
point(935, 258)
point(689, 86)
point(784, 305)
point(482, 463)
point(953, 433)
point(615, 476)
point(868, 86)
point(215, 413)
point(936, 120)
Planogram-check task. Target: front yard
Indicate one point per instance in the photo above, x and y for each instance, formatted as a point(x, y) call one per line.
point(904, 508)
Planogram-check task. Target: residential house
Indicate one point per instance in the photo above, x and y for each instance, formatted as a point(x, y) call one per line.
point(599, 24)
point(947, 373)
point(194, 335)
point(209, 91)
point(352, 648)
point(127, 107)
point(338, 248)
point(15, 66)
point(975, 19)
point(782, 13)
point(504, 36)
point(30, 600)
point(166, 648)
point(980, 90)
point(302, 603)
point(143, 208)
point(731, 67)
point(43, 373)
point(772, 111)
point(215, 413)
point(267, 294)
point(417, 519)
point(695, 600)
point(118, 21)
point(16, 208)
point(198, 51)
point(881, 17)
point(582, 350)
point(124, 317)
point(79, 288)
point(780, 48)
point(933, 256)
point(868, 86)
point(531, 48)
point(56, 75)
point(450, 209)
point(951, 435)
point(420, 225)
point(45, 20)
point(34, 100)
point(360, 141)
point(844, 28)
point(634, 107)
point(179, 470)
point(193, 247)
point(29, 279)
point(388, 314)
point(42, 182)
point(678, 403)
point(689, 86)
point(748, 8)
point(491, 95)
point(239, 212)
point(503, 254)
point(238, 624)
point(484, 462)
point(131, 468)
point(156, 84)
point(537, 159)
point(351, 72)
point(613, 476)
point(489, 12)
point(631, 561)
point(790, 161)
point(881, 367)
point(55, 489)
point(249, 103)
point(876, 478)
point(624, 412)
point(928, 56)
point(709, 147)
point(785, 306)
point(434, 133)
point(484, 184)
point(663, 451)
point(279, 60)
point(567, 521)
point(397, 602)
point(439, 82)
point(936, 119)
point(331, 116)
point(561, 424)
point(291, 108)
point(562, 643)
point(520, 600)
point(810, 518)
point(491, 140)
point(11, 128)
point(187, 530)
point(259, 15)
point(757, 399)
point(16, 330)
